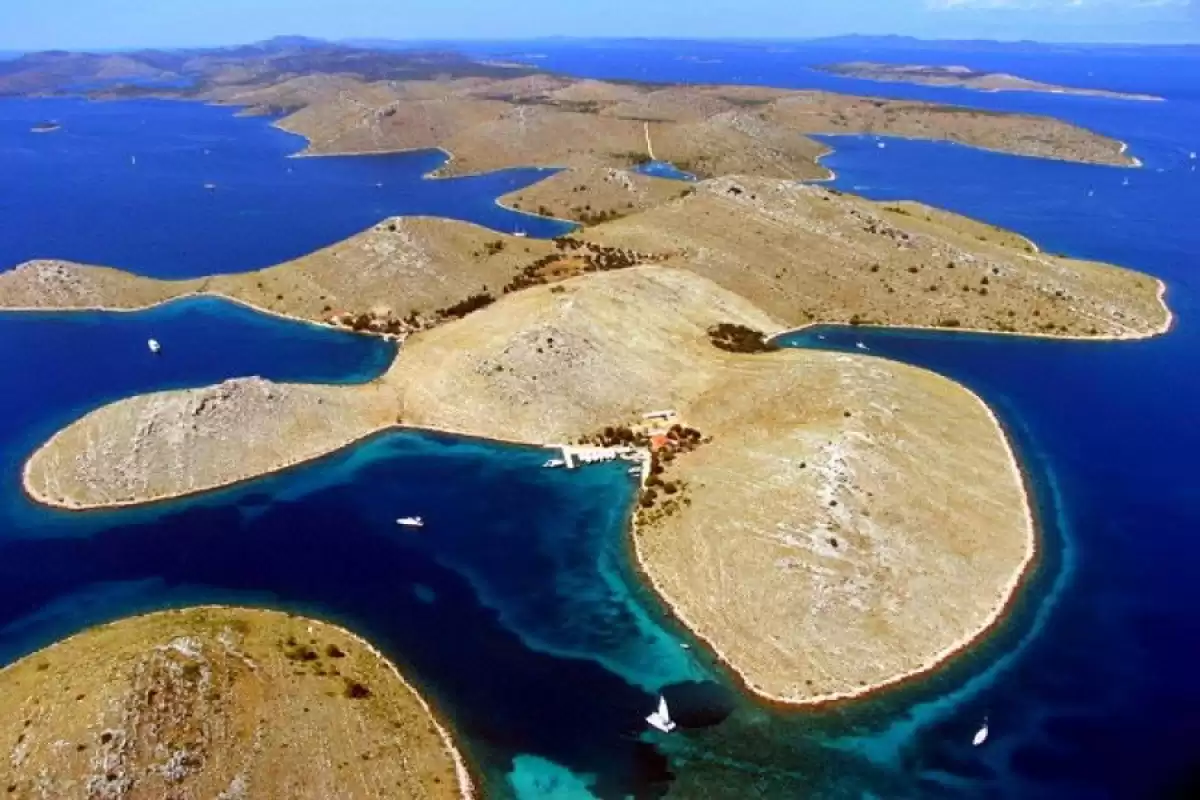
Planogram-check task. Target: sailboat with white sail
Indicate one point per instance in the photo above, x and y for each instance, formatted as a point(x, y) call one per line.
point(660, 718)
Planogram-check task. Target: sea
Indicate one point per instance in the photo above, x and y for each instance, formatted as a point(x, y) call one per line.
point(517, 610)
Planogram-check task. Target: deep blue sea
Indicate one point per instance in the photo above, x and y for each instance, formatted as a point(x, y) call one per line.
point(516, 610)
point(123, 184)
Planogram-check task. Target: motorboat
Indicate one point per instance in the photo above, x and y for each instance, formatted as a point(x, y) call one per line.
point(411, 522)
point(154, 346)
point(981, 735)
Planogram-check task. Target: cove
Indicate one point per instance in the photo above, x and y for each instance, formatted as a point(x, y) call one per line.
point(122, 184)
point(1088, 686)
point(516, 610)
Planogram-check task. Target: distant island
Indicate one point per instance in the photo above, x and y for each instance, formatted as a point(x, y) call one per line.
point(963, 77)
point(45, 127)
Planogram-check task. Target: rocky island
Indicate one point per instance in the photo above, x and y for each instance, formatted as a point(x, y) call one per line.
point(220, 702)
point(828, 523)
point(793, 531)
point(963, 77)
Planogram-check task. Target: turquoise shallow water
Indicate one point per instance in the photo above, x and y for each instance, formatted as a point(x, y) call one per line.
point(521, 618)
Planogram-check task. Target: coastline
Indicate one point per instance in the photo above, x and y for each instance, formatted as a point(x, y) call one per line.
point(468, 786)
point(116, 505)
point(436, 173)
point(999, 614)
point(1133, 163)
point(1137, 336)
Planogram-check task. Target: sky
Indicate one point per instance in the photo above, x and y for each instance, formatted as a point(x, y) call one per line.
point(115, 24)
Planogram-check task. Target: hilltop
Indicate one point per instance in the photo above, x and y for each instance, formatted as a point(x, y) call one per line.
point(220, 702)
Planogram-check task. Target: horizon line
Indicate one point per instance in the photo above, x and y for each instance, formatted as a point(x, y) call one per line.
point(366, 42)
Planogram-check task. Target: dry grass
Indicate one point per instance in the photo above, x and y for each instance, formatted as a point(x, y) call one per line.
point(850, 521)
point(808, 255)
point(173, 443)
point(207, 703)
point(583, 193)
point(714, 130)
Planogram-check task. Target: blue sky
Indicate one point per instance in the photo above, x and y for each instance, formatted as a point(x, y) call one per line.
point(75, 24)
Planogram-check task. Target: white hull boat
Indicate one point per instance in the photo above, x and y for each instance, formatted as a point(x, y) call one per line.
point(411, 522)
point(660, 718)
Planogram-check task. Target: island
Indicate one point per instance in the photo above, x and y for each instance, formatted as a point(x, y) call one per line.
point(220, 702)
point(963, 77)
point(829, 523)
point(784, 514)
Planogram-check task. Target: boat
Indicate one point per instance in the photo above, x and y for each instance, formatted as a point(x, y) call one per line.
point(981, 735)
point(882, 145)
point(45, 127)
point(520, 234)
point(554, 462)
point(133, 160)
point(660, 718)
point(154, 346)
point(210, 186)
point(411, 522)
point(635, 470)
point(861, 346)
point(1192, 155)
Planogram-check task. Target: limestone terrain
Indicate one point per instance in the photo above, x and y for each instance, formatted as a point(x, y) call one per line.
point(542, 120)
point(805, 254)
point(219, 703)
point(172, 443)
point(839, 521)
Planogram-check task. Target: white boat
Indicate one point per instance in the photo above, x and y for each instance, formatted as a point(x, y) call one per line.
point(554, 462)
point(210, 186)
point(660, 718)
point(133, 160)
point(861, 346)
point(635, 470)
point(520, 234)
point(154, 345)
point(981, 735)
point(1192, 155)
point(882, 145)
point(411, 522)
